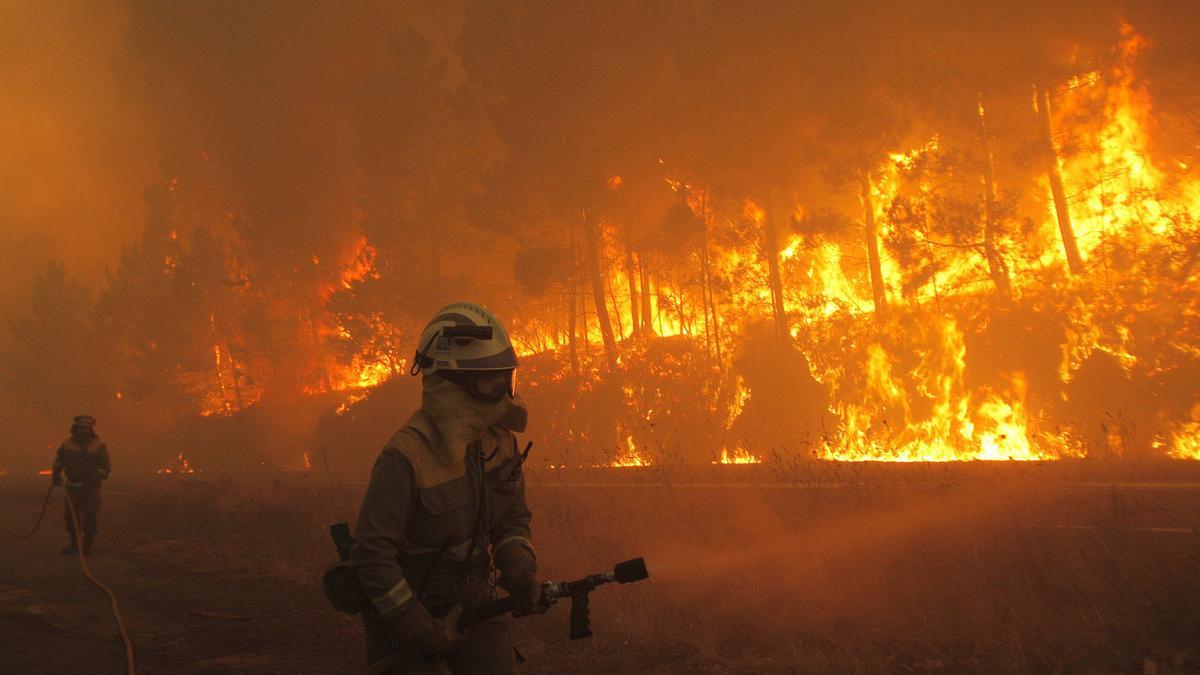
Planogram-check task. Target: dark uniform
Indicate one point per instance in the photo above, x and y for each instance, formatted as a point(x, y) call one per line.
point(423, 537)
point(84, 461)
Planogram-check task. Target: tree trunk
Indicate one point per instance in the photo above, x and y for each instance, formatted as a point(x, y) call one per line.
point(706, 290)
point(631, 274)
point(685, 321)
point(586, 330)
point(774, 279)
point(572, 321)
point(657, 305)
point(233, 376)
point(1070, 245)
point(647, 308)
point(997, 267)
point(316, 342)
point(237, 391)
point(592, 232)
point(619, 323)
point(220, 378)
point(878, 290)
point(572, 309)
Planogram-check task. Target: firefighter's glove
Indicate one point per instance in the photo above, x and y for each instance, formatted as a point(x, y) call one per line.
point(58, 481)
point(518, 576)
point(434, 639)
point(528, 599)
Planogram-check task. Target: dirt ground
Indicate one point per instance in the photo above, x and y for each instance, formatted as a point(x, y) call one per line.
point(52, 620)
point(892, 571)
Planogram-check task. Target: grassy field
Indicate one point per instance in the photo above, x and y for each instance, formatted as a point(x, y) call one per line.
point(990, 568)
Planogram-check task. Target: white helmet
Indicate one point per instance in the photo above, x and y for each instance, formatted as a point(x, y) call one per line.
point(463, 336)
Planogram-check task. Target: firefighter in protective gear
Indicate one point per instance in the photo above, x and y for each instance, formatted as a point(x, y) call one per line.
point(446, 501)
point(83, 458)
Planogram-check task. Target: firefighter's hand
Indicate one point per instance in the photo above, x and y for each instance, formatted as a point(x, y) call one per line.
point(416, 627)
point(523, 585)
point(449, 638)
point(528, 599)
point(518, 570)
point(58, 481)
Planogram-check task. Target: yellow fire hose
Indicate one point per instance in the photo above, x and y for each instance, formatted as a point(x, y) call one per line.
point(116, 611)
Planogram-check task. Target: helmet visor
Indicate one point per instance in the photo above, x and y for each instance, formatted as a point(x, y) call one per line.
point(486, 385)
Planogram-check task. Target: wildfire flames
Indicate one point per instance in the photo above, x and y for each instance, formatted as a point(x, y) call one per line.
point(940, 263)
point(909, 398)
point(928, 410)
point(181, 467)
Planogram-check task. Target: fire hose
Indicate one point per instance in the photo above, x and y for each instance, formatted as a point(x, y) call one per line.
point(116, 610)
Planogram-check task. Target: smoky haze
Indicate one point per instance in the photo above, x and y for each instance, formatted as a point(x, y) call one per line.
point(263, 202)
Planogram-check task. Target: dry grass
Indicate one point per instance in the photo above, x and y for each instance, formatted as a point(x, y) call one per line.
point(848, 575)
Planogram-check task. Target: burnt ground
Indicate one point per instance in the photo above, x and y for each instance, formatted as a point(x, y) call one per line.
point(895, 570)
point(53, 620)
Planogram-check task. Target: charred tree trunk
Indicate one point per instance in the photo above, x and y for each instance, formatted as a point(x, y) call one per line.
point(572, 309)
point(592, 233)
point(1070, 245)
point(572, 321)
point(233, 376)
point(709, 340)
point(774, 279)
point(658, 310)
point(706, 291)
point(619, 323)
point(647, 304)
point(878, 291)
point(237, 390)
point(631, 274)
point(997, 267)
point(315, 336)
point(220, 377)
point(586, 330)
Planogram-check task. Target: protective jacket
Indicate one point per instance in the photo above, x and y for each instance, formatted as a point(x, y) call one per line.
point(430, 514)
point(84, 462)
